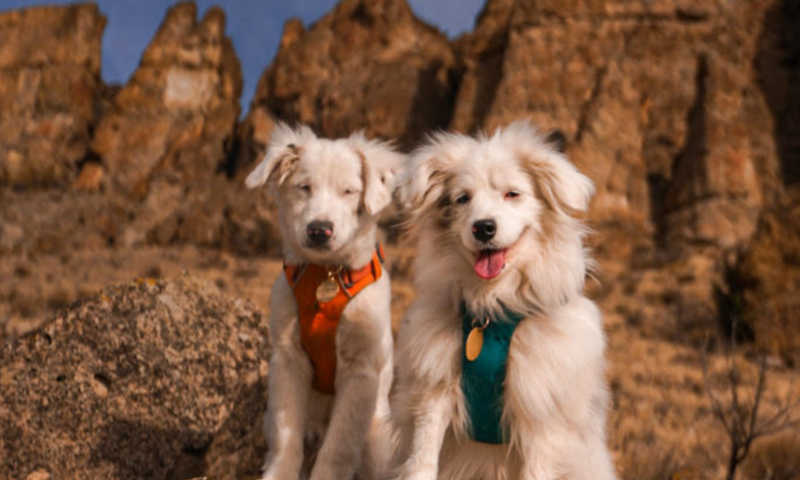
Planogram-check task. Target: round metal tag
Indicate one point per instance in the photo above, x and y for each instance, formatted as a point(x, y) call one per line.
point(327, 290)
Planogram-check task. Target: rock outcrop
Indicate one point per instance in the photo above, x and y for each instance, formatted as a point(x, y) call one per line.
point(481, 53)
point(160, 380)
point(766, 297)
point(49, 80)
point(653, 97)
point(368, 64)
point(180, 107)
point(157, 171)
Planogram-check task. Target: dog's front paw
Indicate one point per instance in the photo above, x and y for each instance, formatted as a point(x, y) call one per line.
point(276, 476)
point(269, 475)
point(275, 473)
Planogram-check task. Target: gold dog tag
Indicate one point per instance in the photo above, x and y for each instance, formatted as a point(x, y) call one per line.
point(327, 290)
point(474, 344)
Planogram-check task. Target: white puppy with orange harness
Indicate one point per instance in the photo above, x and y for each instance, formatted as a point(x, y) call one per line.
point(330, 320)
point(500, 357)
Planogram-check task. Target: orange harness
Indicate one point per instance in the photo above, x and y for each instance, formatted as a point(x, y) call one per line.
point(320, 320)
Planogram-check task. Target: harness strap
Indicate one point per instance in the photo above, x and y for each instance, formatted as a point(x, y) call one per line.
point(319, 321)
point(483, 379)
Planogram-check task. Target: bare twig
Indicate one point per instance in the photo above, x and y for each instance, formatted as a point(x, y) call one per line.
point(743, 420)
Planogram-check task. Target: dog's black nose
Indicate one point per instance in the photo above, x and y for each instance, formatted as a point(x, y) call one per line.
point(484, 230)
point(319, 232)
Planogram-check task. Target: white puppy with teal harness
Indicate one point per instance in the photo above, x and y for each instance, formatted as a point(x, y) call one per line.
point(500, 359)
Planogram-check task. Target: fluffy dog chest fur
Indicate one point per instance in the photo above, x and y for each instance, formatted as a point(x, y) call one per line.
point(319, 321)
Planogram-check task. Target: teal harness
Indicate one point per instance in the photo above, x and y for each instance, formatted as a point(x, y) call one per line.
point(483, 379)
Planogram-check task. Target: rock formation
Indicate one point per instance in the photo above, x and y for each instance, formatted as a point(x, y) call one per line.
point(49, 80)
point(766, 284)
point(481, 52)
point(368, 64)
point(152, 380)
point(158, 165)
point(179, 108)
point(651, 96)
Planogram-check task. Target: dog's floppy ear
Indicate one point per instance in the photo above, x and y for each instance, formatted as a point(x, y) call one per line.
point(380, 164)
point(561, 184)
point(284, 150)
point(423, 183)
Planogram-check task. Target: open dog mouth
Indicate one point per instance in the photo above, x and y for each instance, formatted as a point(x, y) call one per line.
point(490, 262)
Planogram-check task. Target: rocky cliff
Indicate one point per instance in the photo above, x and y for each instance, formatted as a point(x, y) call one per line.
point(49, 84)
point(148, 163)
point(367, 65)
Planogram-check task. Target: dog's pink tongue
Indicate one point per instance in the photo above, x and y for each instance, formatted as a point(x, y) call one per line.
point(490, 263)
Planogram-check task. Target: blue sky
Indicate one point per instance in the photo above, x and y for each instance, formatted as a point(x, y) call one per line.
point(254, 25)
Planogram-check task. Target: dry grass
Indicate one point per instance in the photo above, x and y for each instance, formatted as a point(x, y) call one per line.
point(776, 457)
point(650, 462)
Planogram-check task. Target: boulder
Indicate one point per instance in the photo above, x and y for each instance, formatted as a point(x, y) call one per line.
point(368, 64)
point(153, 379)
point(49, 81)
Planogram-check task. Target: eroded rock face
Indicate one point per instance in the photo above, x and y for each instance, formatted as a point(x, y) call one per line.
point(481, 53)
point(769, 279)
point(167, 138)
point(778, 73)
point(158, 170)
point(49, 78)
point(180, 107)
point(368, 64)
point(653, 97)
point(144, 380)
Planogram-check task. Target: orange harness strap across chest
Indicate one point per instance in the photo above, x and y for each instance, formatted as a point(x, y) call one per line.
point(319, 321)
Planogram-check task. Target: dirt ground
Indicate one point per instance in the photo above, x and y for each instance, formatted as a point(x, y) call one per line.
point(660, 425)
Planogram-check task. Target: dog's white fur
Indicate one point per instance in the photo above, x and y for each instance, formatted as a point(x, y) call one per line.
point(555, 396)
point(347, 182)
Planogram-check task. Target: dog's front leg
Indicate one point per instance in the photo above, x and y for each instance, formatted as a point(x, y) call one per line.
point(289, 393)
point(432, 415)
point(540, 448)
point(357, 376)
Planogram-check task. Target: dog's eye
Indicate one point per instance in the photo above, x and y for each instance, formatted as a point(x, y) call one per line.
point(305, 187)
point(350, 191)
point(462, 199)
point(511, 194)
